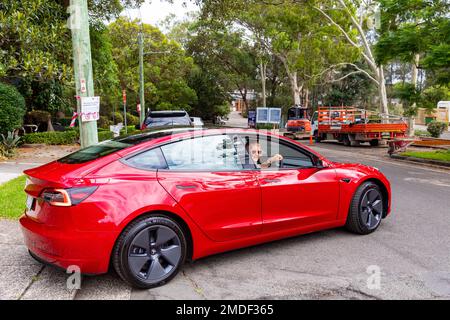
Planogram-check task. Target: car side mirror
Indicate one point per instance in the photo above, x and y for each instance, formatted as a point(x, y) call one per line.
point(320, 164)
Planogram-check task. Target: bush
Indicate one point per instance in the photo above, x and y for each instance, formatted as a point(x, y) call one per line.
point(9, 144)
point(104, 135)
point(132, 120)
point(104, 122)
point(12, 108)
point(52, 137)
point(37, 117)
point(436, 128)
point(118, 116)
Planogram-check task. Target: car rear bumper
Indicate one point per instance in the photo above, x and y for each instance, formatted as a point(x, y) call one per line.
point(90, 251)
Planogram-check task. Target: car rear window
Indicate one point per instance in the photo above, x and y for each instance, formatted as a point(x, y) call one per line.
point(105, 148)
point(94, 152)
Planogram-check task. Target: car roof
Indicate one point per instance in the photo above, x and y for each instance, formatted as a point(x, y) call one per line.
point(167, 113)
point(163, 135)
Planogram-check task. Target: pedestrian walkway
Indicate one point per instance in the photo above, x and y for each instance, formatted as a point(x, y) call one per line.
point(11, 170)
point(236, 120)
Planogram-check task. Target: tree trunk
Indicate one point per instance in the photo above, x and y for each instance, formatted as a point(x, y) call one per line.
point(263, 82)
point(382, 91)
point(414, 77)
point(295, 88)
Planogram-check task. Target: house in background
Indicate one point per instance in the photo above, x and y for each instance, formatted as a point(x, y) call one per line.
point(441, 114)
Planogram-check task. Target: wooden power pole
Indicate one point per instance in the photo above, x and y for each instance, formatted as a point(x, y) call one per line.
point(82, 65)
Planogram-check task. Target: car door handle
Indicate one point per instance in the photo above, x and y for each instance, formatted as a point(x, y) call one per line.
point(186, 186)
point(271, 180)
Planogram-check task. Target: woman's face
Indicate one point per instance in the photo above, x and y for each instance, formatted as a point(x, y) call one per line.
point(255, 151)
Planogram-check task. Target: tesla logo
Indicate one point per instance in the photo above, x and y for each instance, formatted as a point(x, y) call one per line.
point(374, 279)
point(74, 280)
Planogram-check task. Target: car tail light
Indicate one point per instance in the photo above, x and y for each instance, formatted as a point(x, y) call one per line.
point(143, 126)
point(67, 197)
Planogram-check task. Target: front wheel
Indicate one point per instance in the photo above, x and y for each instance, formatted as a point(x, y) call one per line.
point(150, 251)
point(366, 209)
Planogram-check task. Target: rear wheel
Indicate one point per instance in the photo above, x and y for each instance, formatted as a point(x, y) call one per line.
point(366, 209)
point(374, 142)
point(150, 251)
point(346, 140)
point(317, 138)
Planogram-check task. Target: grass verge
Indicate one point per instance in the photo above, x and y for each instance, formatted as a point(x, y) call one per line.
point(442, 155)
point(12, 198)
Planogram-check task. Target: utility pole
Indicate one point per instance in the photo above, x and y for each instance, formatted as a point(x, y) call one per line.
point(82, 65)
point(141, 74)
point(141, 78)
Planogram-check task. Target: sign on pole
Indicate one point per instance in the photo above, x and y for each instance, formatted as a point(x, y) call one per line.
point(262, 115)
point(268, 115)
point(274, 115)
point(90, 108)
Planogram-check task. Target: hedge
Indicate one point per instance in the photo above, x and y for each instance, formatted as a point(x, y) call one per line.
point(51, 137)
point(57, 138)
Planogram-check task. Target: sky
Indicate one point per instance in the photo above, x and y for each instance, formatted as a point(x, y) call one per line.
point(154, 11)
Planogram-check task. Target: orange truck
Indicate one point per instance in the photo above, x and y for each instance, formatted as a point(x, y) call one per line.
point(352, 126)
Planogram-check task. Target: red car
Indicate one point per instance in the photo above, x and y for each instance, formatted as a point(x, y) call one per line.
point(146, 203)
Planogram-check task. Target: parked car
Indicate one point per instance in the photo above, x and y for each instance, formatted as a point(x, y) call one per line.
point(166, 118)
point(196, 121)
point(146, 203)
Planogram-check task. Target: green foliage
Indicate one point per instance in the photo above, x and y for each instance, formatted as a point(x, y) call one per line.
point(441, 155)
point(52, 137)
point(37, 117)
point(118, 117)
point(12, 198)
point(132, 120)
point(9, 143)
point(436, 128)
point(166, 66)
point(409, 95)
point(422, 133)
point(410, 27)
point(104, 135)
point(354, 90)
point(104, 122)
point(12, 108)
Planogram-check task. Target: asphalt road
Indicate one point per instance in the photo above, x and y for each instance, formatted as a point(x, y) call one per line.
point(411, 250)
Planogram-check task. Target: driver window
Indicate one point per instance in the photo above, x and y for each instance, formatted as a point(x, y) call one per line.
point(272, 153)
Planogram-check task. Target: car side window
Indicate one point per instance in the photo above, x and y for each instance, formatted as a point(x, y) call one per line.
point(148, 160)
point(294, 158)
point(265, 151)
point(215, 153)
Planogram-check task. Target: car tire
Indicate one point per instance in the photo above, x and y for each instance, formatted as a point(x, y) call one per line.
point(374, 142)
point(317, 138)
point(366, 209)
point(150, 251)
point(346, 140)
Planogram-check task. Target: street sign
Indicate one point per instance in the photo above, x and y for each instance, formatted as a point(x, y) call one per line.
point(274, 115)
point(124, 96)
point(262, 115)
point(268, 115)
point(251, 118)
point(90, 108)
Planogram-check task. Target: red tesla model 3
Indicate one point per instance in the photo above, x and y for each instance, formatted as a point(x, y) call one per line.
point(145, 203)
